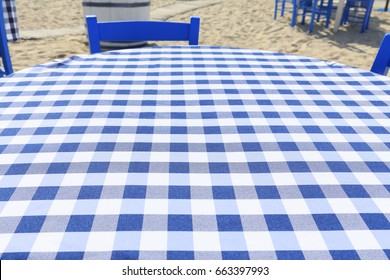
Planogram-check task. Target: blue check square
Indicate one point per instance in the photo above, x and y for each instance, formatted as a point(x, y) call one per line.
point(290, 255)
point(125, 255)
point(229, 223)
point(15, 256)
point(179, 192)
point(355, 191)
point(77, 130)
point(235, 255)
point(267, 192)
point(84, 115)
point(145, 130)
point(32, 148)
point(90, 192)
point(111, 130)
point(344, 255)
point(147, 115)
point(338, 166)
point(327, 222)
point(43, 131)
point(179, 167)
point(376, 221)
point(223, 192)
point(333, 115)
point(378, 166)
point(128, 222)
point(178, 147)
point(178, 130)
point(105, 147)
point(324, 146)
point(179, 116)
point(80, 223)
point(251, 147)
point(30, 224)
point(45, 193)
point(18, 169)
point(180, 255)
point(70, 256)
point(134, 191)
point(180, 223)
point(279, 129)
point(298, 166)
point(209, 115)
point(20, 117)
point(360, 146)
point(245, 129)
point(218, 167)
point(288, 146)
point(271, 115)
point(212, 130)
point(142, 147)
point(69, 147)
point(6, 193)
point(302, 115)
point(378, 129)
point(311, 191)
point(139, 167)
point(98, 167)
point(278, 223)
point(258, 167)
point(215, 147)
point(240, 115)
point(58, 168)
point(312, 129)
point(346, 129)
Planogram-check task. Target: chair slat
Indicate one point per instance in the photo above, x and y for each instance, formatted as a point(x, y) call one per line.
point(141, 31)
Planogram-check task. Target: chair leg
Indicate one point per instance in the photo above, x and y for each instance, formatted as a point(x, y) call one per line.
point(328, 12)
point(313, 14)
point(276, 9)
point(283, 6)
point(321, 6)
point(294, 13)
point(304, 12)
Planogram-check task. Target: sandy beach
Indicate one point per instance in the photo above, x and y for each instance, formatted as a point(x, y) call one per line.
point(235, 23)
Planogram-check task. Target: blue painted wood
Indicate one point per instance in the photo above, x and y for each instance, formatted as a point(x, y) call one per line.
point(141, 31)
point(353, 9)
point(4, 51)
point(93, 34)
point(382, 60)
point(303, 7)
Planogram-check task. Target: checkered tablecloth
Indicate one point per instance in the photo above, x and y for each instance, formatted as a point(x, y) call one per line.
point(194, 153)
point(10, 20)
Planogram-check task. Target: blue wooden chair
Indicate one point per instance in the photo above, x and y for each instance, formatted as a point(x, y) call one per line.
point(382, 60)
point(358, 11)
point(141, 31)
point(280, 5)
point(4, 51)
point(316, 8)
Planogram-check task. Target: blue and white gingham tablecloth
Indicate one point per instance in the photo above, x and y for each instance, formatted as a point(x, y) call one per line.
point(194, 153)
point(10, 19)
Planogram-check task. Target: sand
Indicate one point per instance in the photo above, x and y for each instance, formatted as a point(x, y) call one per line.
point(234, 23)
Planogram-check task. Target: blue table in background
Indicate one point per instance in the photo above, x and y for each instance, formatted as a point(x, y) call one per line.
point(194, 153)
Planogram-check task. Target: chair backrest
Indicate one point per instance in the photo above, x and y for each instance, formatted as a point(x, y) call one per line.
point(360, 3)
point(141, 31)
point(4, 51)
point(382, 60)
point(356, 8)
